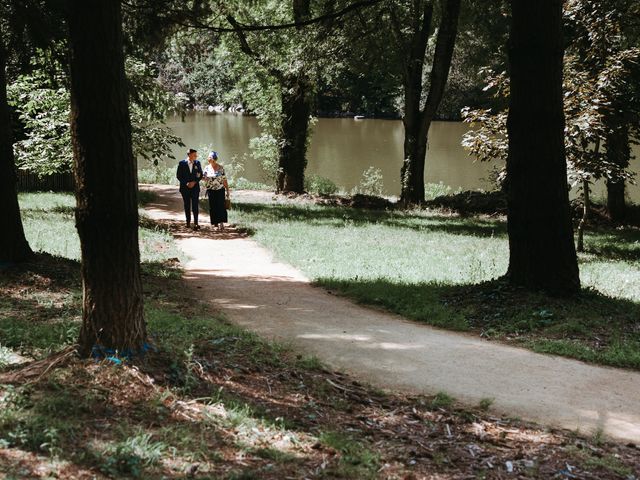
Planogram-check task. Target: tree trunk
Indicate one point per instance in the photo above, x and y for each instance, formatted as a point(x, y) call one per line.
point(13, 244)
point(417, 121)
point(541, 250)
point(586, 208)
point(106, 182)
point(296, 110)
point(292, 161)
point(618, 153)
point(415, 152)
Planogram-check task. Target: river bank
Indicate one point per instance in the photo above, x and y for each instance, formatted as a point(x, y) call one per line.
point(342, 150)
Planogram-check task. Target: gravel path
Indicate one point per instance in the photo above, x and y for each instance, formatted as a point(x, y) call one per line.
point(277, 301)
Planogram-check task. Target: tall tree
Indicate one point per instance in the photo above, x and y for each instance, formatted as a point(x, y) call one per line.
point(419, 112)
point(23, 27)
point(13, 244)
point(292, 75)
point(541, 249)
point(106, 180)
point(604, 36)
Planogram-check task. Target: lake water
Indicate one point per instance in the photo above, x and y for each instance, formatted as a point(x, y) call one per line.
point(343, 148)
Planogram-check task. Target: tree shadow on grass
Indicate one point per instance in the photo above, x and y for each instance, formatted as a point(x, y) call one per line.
point(590, 326)
point(613, 244)
point(221, 405)
point(345, 217)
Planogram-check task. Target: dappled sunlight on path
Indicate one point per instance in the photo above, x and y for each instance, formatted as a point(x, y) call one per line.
point(277, 301)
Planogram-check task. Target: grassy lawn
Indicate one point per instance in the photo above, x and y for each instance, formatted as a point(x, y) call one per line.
point(442, 270)
point(217, 402)
point(49, 225)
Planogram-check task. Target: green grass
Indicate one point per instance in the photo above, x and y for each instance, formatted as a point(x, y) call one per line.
point(160, 174)
point(442, 400)
point(49, 225)
point(347, 244)
point(485, 404)
point(441, 270)
point(356, 460)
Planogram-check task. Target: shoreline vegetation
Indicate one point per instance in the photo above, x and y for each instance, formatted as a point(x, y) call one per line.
point(215, 401)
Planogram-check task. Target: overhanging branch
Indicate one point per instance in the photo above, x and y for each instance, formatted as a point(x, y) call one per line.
point(186, 19)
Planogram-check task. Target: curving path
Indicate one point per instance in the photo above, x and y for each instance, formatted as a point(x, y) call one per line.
point(277, 301)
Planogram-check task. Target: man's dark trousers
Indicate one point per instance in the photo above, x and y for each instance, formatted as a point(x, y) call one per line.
point(190, 196)
point(190, 199)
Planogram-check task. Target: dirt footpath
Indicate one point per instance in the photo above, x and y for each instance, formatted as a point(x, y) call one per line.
point(277, 301)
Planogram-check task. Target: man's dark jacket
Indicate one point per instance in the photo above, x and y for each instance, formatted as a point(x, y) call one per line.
point(185, 176)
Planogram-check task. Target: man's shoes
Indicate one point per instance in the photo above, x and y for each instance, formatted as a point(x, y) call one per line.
point(196, 227)
point(188, 225)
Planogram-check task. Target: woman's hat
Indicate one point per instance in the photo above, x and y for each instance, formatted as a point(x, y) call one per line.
point(213, 155)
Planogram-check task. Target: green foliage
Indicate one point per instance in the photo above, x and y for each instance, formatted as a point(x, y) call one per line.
point(131, 456)
point(434, 190)
point(201, 70)
point(442, 400)
point(45, 338)
point(5, 356)
point(371, 183)
point(320, 185)
point(600, 94)
point(310, 362)
point(264, 150)
point(485, 404)
point(158, 174)
point(356, 460)
point(43, 107)
point(41, 101)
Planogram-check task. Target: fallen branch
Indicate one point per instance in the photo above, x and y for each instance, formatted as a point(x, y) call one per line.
point(33, 372)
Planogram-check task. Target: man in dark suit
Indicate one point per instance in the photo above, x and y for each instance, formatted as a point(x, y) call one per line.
point(189, 175)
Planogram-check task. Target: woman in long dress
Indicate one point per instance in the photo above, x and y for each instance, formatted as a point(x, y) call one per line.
point(217, 191)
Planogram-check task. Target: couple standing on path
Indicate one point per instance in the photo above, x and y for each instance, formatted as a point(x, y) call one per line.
point(190, 174)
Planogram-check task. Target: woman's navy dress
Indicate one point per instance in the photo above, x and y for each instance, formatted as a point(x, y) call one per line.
point(216, 193)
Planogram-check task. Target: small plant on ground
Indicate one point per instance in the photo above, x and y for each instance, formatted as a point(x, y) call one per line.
point(320, 185)
point(310, 362)
point(264, 150)
point(434, 190)
point(485, 404)
point(371, 183)
point(357, 461)
point(131, 456)
point(442, 400)
point(5, 356)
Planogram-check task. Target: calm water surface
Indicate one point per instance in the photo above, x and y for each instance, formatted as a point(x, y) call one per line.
point(342, 149)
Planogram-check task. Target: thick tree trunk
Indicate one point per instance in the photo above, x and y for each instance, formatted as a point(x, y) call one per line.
point(415, 152)
point(106, 181)
point(292, 161)
point(541, 250)
point(13, 244)
point(618, 153)
point(295, 109)
point(416, 120)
